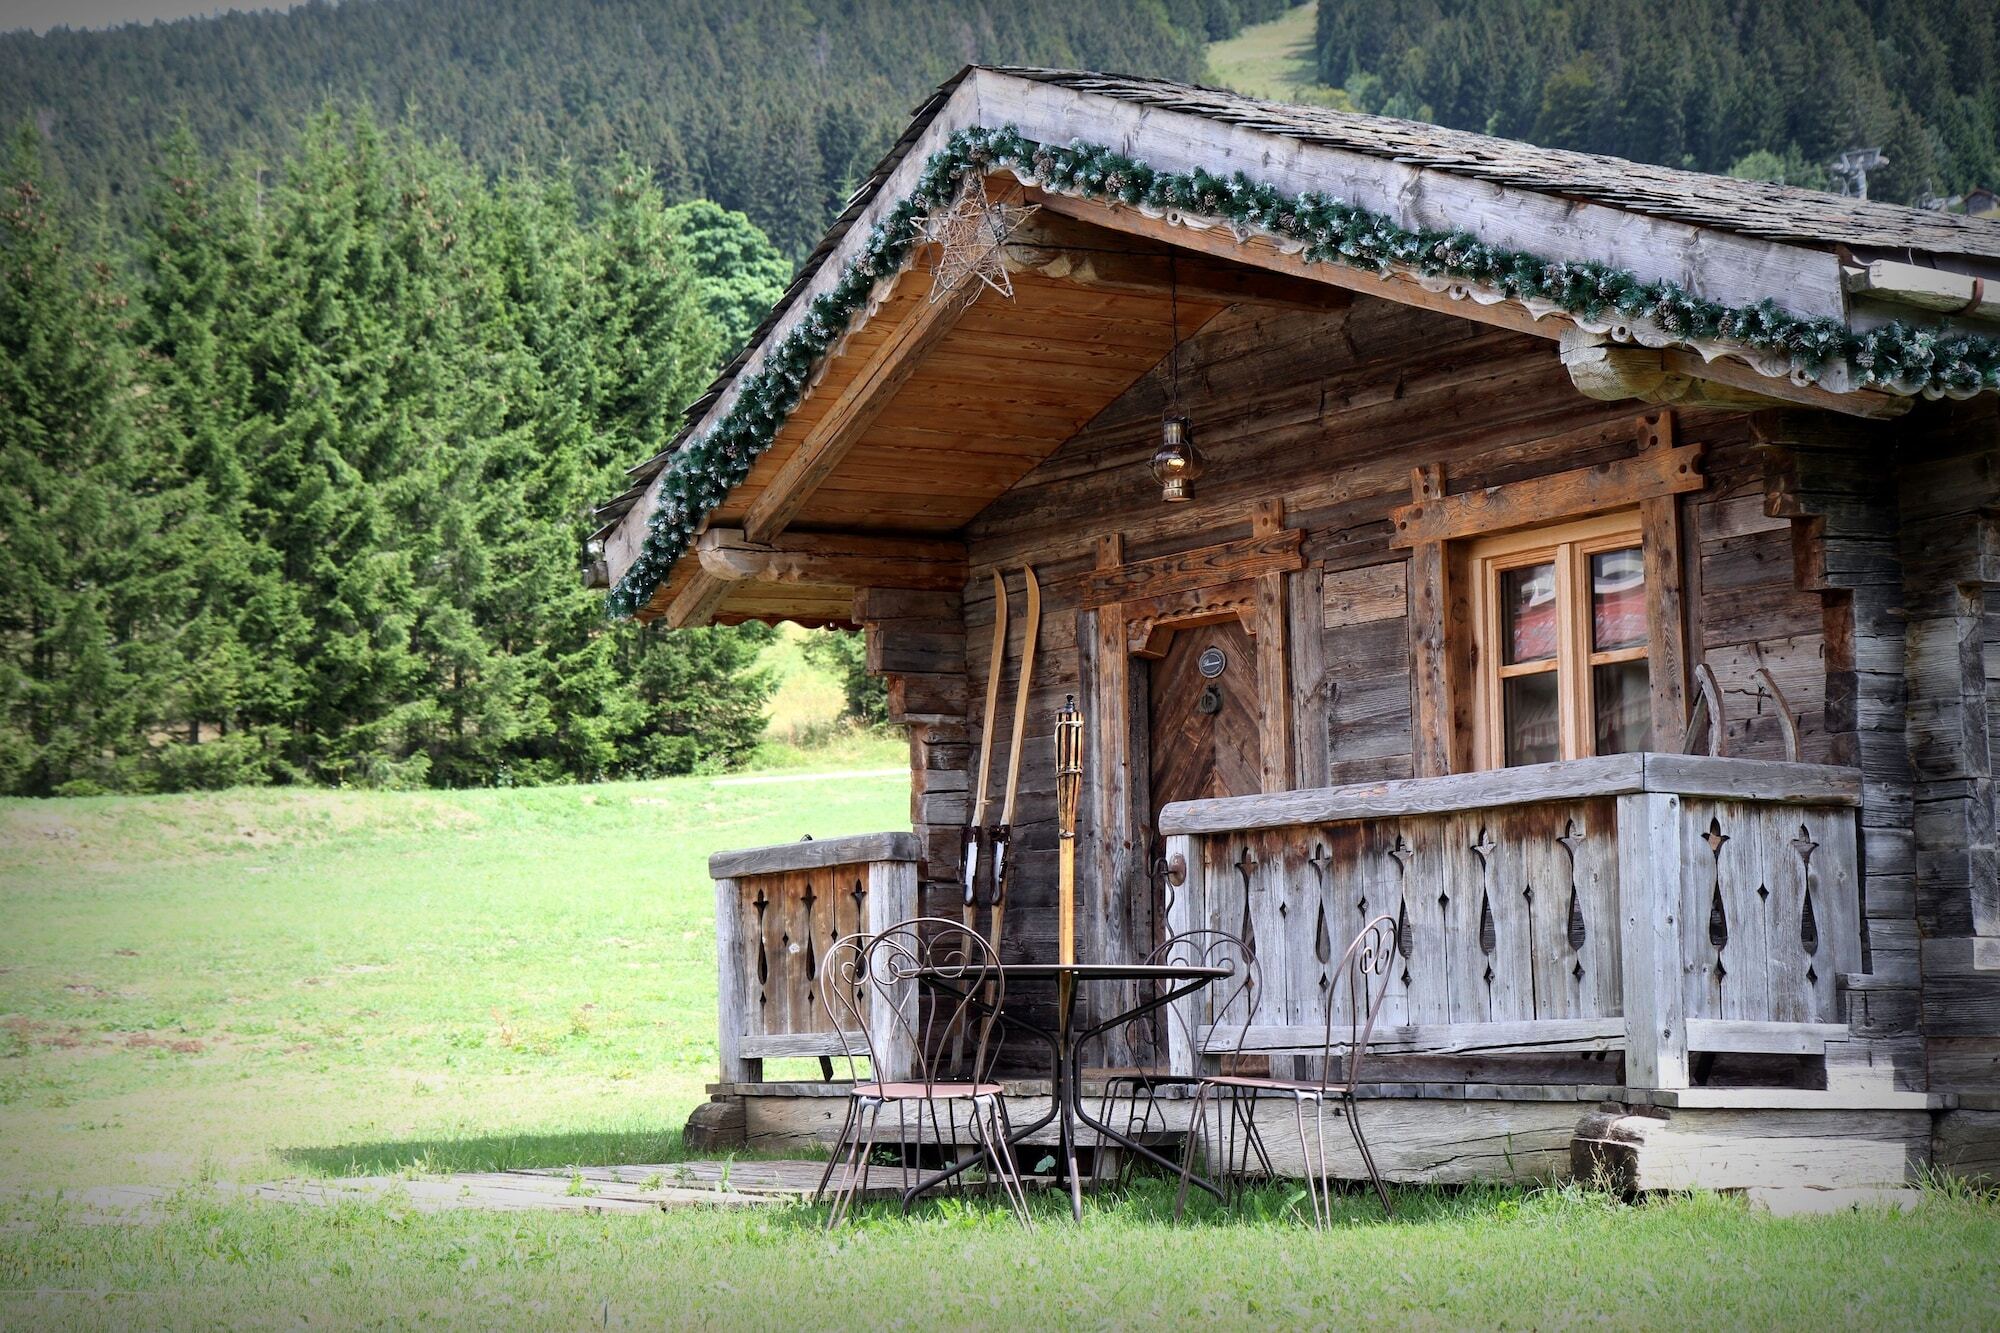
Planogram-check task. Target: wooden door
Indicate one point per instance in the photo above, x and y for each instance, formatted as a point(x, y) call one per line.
point(1203, 737)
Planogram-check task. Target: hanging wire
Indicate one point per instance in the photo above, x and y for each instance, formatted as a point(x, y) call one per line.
point(1174, 349)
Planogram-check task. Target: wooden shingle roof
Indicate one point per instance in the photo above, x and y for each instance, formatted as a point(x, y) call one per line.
point(1753, 208)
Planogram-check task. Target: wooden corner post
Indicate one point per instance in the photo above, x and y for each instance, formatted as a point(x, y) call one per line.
point(1187, 909)
point(1649, 888)
point(892, 897)
point(732, 985)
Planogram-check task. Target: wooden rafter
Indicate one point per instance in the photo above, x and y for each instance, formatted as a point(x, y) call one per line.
point(867, 394)
point(1223, 244)
point(1065, 250)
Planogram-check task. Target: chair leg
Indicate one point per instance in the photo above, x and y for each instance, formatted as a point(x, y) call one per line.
point(1368, 1159)
point(1197, 1127)
point(857, 1171)
point(1255, 1138)
point(1313, 1180)
point(992, 1134)
point(839, 1143)
point(1319, 1132)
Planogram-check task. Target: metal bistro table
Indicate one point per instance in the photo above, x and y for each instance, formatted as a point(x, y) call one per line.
point(1066, 1044)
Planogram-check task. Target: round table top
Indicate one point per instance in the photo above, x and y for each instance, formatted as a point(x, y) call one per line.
point(1094, 971)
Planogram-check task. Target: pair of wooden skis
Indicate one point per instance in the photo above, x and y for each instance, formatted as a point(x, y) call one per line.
point(990, 845)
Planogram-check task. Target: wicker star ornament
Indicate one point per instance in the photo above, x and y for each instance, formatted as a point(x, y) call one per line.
point(969, 233)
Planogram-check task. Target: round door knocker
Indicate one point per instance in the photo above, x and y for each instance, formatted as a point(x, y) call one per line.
point(1210, 701)
point(1212, 662)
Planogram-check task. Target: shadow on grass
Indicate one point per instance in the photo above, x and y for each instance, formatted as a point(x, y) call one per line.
point(492, 1152)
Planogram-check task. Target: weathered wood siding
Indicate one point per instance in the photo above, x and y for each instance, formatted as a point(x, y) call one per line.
point(1791, 563)
point(1949, 494)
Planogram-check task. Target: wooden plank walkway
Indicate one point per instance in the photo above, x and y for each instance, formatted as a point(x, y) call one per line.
point(641, 1188)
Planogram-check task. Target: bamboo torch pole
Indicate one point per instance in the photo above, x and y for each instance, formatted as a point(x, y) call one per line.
point(1069, 785)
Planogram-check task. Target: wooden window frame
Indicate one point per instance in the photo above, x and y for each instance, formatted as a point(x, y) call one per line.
point(1568, 546)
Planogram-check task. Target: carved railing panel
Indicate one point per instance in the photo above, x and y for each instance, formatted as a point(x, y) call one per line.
point(1769, 908)
point(1661, 904)
point(789, 922)
point(778, 911)
point(1503, 915)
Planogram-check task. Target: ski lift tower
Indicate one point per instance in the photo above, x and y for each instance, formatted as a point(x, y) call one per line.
point(1851, 169)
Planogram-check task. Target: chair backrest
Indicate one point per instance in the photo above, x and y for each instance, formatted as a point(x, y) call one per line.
point(928, 986)
point(1364, 972)
point(1228, 1005)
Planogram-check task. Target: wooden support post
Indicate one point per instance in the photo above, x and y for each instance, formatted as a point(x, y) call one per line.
point(732, 968)
point(1660, 532)
point(1274, 689)
point(892, 897)
point(1649, 888)
point(1431, 726)
point(1117, 843)
point(1186, 910)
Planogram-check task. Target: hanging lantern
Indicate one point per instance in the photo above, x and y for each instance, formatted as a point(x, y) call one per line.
point(1178, 462)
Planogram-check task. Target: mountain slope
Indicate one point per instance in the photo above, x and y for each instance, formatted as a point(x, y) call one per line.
point(773, 107)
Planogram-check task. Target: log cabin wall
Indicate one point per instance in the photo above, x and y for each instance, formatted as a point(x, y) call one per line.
point(1948, 492)
point(1328, 413)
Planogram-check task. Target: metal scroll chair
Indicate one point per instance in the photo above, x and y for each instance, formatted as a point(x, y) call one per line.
point(870, 987)
point(1148, 1033)
point(1363, 974)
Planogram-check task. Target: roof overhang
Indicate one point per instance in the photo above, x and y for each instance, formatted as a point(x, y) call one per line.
point(925, 411)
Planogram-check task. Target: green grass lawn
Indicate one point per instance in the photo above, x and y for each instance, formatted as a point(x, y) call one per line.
point(256, 985)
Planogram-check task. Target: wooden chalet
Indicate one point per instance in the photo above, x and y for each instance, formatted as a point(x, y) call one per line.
point(1646, 667)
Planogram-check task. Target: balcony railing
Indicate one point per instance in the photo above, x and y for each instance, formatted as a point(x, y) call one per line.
point(777, 912)
point(1655, 904)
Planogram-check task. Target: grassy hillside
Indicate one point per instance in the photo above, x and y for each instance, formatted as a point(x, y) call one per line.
point(1278, 60)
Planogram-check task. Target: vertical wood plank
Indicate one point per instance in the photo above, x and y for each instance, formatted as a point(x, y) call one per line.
point(732, 984)
point(1186, 910)
point(1660, 532)
point(1706, 872)
point(1430, 738)
point(1649, 878)
point(1599, 989)
point(1545, 870)
point(1838, 871)
point(1430, 741)
point(892, 897)
point(1471, 994)
point(1274, 692)
point(1416, 850)
point(1115, 871)
point(1512, 989)
point(1311, 748)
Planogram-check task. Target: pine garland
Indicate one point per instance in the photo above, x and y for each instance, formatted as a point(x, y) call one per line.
point(1897, 356)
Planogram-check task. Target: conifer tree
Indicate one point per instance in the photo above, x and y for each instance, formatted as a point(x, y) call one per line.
point(79, 659)
point(234, 687)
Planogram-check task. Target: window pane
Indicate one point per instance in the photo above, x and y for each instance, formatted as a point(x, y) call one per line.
point(1528, 609)
point(1534, 734)
point(1617, 600)
point(1623, 699)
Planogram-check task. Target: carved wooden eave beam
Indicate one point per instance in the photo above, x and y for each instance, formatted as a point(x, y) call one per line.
point(1222, 243)
point(1613, 372)
point(726, 560)
point(834, 559)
